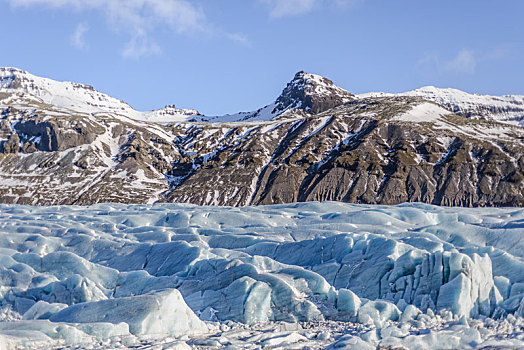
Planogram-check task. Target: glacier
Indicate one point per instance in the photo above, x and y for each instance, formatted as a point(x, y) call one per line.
point(318, 275)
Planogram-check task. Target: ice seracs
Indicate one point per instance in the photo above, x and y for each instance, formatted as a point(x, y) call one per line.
point(155, 315)
point(307, 274)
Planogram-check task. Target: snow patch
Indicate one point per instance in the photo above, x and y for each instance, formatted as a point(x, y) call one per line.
point(423, 113)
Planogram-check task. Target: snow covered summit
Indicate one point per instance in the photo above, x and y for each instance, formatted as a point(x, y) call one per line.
point(305, 92)
point(313, 93)
point(27, 90)
point(66, 95)
point(506, 109)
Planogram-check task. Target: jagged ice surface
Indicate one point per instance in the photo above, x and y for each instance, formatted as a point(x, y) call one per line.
point(411, 275)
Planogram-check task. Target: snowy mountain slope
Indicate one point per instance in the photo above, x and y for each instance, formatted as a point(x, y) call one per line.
point(66, 95)
point(170, 114)
point(506, 109)
point(306, 91)
point(317, 275)
point(64, 143)
point(25, 90)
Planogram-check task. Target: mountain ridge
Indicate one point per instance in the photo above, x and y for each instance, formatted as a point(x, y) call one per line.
point(292, 97)
point(316, 141)
point(506, 108)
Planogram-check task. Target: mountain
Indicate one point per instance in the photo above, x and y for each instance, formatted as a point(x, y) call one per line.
point(309, 92)
point(506, 109)
point(27, 91)
point(66, 143)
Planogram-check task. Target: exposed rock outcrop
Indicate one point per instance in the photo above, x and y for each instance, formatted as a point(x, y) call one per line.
point(312, 93)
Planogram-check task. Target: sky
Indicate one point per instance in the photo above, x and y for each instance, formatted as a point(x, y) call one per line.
point(225, 56)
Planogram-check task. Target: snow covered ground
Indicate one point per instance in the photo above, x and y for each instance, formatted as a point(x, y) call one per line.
point(506, 109)
point(308, 275)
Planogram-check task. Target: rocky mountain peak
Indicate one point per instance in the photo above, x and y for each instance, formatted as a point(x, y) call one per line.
point(10, 77)
point(18, 79)
point(311, 92)
point(170, 113)
point(14, 81)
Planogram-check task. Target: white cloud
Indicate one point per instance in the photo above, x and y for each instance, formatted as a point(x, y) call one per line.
point(139, 46)
point(135, 17)
point(180, 15)
point(77, 39)
point(285, 8)
point(429, 61)
point(239, 38)
point(464, 62)
point(500, 53)
point(347, 3)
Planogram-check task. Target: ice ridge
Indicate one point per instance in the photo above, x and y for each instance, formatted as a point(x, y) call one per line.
point(126, 273)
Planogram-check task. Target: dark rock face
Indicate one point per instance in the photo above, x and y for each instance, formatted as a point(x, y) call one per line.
point(12, 145)
point(57, 135)
point(381, 162)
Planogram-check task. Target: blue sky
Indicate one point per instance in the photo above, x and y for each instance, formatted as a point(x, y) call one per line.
point(221, 56)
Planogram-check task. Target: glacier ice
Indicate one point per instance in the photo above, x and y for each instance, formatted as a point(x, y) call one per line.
point(156, 315)
point(411, 275)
